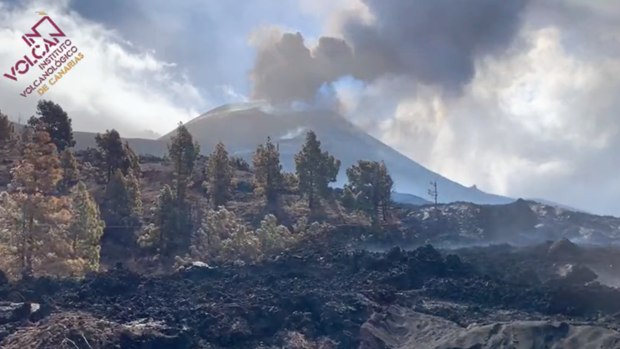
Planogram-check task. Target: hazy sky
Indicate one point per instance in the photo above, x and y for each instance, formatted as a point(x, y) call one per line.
point(520, 97)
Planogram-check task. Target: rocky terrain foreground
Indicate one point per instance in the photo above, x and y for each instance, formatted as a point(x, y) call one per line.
point(330, 295)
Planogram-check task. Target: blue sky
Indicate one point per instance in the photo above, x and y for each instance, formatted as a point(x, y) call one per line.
point(206, 38)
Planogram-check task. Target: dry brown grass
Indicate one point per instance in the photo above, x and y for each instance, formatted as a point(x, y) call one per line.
point(75, 330)
point(65, 331)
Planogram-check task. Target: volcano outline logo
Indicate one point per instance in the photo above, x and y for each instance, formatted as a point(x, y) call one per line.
point(28, 38)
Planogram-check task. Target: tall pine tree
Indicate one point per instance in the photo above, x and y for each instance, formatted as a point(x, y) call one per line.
point(386, 185)
point(57, 124)
point(371, 185)
point(131, 161)
point(161, 234)
point(42, 215)
point(220, 176)
point(183, 153)
point(71, 172)
point(268, 178)
point(8, 136)
point(86, 228)
point(315, 169)
point(121, 208)
point(111, 153)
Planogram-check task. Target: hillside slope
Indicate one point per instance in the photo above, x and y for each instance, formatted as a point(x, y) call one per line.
point(243, 126)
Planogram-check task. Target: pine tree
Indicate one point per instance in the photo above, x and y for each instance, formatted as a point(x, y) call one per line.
point(220, 176)
point(385, 190)
point(41, 170)
point(12, 233)
point(57, 124)
point(183, 153)
point(371, 185)
point(71, 172)
point(315, 169)
point(121, 207)
point(24, 138)
point(135, 196)
point(111, 153)
point(86, 228)
point(8, 136)
point(349, 199)
point(268, 177)
point(161, 234)
point(131, 161)
point(36, 236)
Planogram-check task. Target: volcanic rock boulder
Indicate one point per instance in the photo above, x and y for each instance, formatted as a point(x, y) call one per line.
point(506, 221)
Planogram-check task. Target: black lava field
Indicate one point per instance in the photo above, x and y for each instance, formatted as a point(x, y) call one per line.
point(325, 295)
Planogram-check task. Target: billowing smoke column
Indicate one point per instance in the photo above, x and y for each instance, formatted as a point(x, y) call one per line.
point(433, 42)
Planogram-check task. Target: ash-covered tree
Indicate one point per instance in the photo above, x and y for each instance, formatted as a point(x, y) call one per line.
point(268, 178)
point(71, 172)
point(57, 124)
point(113, 154)
point(370, 186)
point(315, 169)
point(183, 153)
point(219, 176)
point(121, 207)
point(8, 136)
point(86, 228)
point(33, 216)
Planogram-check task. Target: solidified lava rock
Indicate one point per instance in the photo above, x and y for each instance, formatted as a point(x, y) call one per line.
point(505, 220)
point(526, 277)
point(564, 249)
point(579, 274)
point(314, 292)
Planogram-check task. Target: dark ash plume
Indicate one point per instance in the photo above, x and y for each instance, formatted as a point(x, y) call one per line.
point(286, 70)
point(434, 42)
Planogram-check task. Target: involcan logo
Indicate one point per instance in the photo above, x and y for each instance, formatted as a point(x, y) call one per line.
point(55, 55)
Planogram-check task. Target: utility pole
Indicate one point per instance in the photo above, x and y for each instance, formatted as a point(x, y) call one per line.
point(433, 192)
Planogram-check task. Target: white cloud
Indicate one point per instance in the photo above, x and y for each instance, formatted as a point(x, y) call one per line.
point(114, 86)
point(539, 122)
